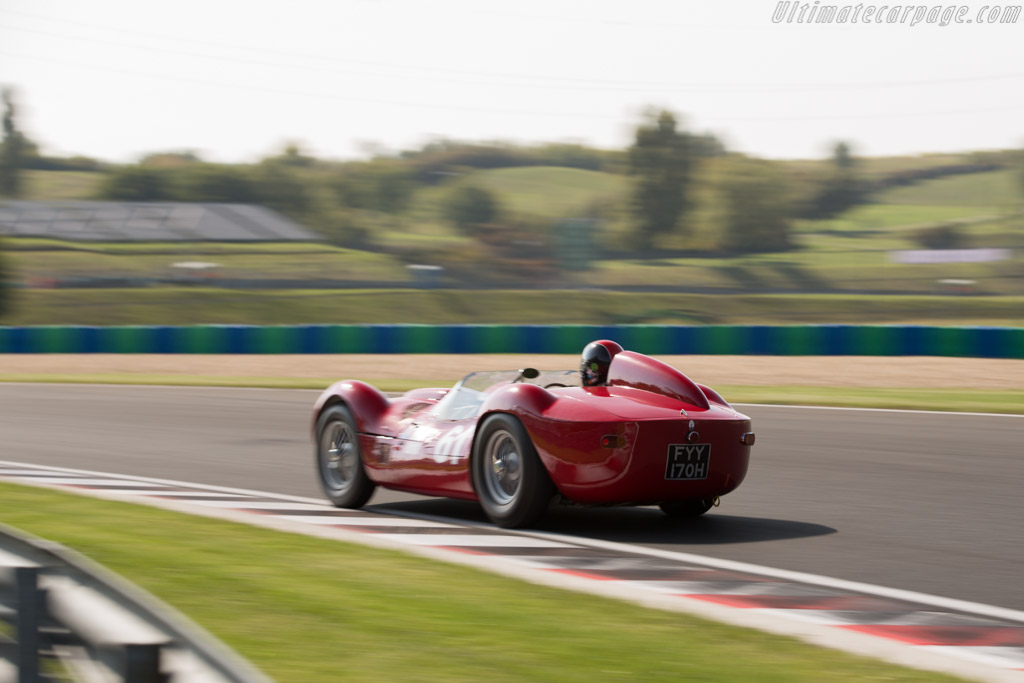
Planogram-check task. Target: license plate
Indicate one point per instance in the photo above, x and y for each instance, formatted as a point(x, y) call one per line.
point(688, 461)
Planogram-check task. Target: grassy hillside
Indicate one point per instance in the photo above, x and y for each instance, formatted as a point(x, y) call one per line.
point(551, 192)
point(876, 167)
point(990, 190)
point(61, 185)
point(846, 255)
point(854, 247)
point(534, 193)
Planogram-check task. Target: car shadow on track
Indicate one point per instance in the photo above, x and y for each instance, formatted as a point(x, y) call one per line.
point(631, 525)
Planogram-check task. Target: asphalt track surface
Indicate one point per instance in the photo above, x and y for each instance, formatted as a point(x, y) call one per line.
point(928, 502)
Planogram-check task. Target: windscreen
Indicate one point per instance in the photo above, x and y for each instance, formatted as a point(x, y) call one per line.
point(467, 397)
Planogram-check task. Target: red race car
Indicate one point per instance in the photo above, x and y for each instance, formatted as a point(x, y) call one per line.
point(625, 430)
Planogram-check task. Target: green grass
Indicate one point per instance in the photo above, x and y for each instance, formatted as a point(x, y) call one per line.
point(956, 400)
point(209, 381)
point(827, 262)
point(195, 305)
point(989, 190)
point(195, 380)
point(555, 192)
point(877, 220)
point(534, 190)
point(309, 610)
point(61, 185)
point(826, 267)
point(34, 259)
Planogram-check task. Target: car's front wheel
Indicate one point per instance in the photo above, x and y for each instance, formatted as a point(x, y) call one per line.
point(687, 508)
point(513, 487)
point(339, 461)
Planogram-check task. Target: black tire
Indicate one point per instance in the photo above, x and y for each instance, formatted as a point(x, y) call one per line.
point(339, 461)
point(688, 508)
point(513, 487)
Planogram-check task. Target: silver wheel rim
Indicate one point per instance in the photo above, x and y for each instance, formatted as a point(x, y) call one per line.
point(503, 468)
point(338, 455)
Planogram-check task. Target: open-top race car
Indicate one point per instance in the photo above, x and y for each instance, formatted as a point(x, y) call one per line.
point(625, 430)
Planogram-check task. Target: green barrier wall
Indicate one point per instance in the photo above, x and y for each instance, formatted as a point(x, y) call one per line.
point(784, 340)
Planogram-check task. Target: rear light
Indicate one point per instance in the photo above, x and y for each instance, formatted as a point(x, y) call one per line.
point(613, 441)
point(747, 439)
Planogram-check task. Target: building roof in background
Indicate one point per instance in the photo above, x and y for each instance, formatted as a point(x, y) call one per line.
point(149, 222)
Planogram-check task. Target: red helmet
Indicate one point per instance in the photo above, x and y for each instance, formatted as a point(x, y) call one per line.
point(597, 357)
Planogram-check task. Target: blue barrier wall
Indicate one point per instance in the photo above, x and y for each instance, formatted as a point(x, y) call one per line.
point(783, 340)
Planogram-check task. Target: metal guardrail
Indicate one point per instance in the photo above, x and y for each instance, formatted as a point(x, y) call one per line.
point(767, 340)
point(66, 612)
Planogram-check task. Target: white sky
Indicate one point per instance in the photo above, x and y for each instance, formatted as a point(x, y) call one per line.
point(235, 79)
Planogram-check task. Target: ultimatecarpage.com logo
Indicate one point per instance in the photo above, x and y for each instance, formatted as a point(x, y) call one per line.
point(910, 15)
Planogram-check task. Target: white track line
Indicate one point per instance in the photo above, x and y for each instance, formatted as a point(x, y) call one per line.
point(359, 520)
point(955, 604)
point(799, 577)
point(262, 505)
point(168, 482)
point(563, 540)
point(990, 663)
point(479, 541)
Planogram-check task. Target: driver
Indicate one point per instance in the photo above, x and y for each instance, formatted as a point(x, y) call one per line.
point(597, 357)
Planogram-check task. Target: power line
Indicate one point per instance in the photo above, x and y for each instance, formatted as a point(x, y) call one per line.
point(320, 94)
point(530, 80)
point(148, 75)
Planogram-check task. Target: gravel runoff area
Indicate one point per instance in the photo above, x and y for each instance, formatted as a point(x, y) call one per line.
point(834, 371)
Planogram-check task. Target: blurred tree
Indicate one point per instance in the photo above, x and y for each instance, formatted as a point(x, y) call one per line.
point(842, 157)
point(753, 209)
point(841, 188)
point(13, 148)
point(469, 207)
point(439, 160)
point(576, 242)
point(75, 163)
point(941, 236)
point(707, 145)
point(394, 189)
point(340, 226)
point(216, 183)
point(292, 155)
point(662, 159)
point(137, 184)
point(171, 159)
point(383, 185)
point(279, 187)
point(1020, 171)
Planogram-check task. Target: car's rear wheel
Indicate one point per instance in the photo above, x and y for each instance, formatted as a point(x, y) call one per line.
point(513, 487)
point(687, 508)
point(339, 461)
